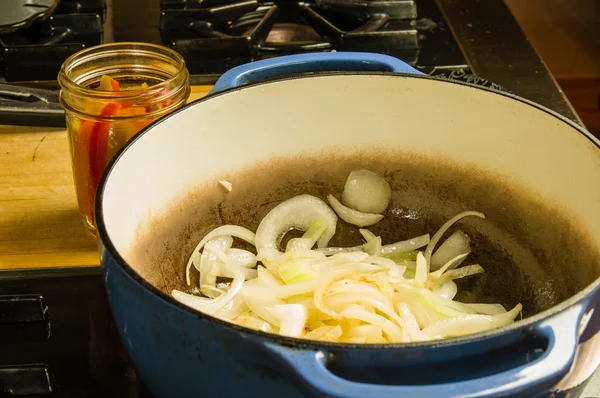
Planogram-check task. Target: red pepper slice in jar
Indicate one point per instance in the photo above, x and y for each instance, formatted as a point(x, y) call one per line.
point(96, 133)
point(98, 137)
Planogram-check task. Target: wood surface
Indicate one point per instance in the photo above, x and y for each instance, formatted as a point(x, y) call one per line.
point(564, 32)
point(584, 95)
point(39, 219)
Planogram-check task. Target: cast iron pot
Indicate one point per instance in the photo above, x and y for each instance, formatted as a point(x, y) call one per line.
point(379, 104)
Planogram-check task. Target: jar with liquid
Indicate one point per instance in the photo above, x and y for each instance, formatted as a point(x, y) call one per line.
point(110, 93)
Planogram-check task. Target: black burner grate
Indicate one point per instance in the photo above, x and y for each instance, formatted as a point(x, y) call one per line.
point(215, 35)
point(37, 52)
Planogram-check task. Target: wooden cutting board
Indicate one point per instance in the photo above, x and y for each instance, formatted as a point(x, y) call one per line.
point(39, 219)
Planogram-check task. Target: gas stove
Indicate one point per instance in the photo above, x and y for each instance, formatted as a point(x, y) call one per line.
point(216, 35)
point(34, 44)
point(443, 38)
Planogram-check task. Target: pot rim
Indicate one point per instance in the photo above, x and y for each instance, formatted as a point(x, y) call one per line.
point(316, 344)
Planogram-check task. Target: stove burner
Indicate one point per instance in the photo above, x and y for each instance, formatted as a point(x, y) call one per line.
point(20, 14)
point(288, 32)
point(214, 37)
point(36, 53)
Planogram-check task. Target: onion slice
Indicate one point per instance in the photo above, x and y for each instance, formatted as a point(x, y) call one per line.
point(448, 290)
point(224, 230)
point(406, 245)
point(211, 306)
point(253, 322)
point(244, 258)
point(436, 237)
point(486, 309)
point(298, 213)
point(392, 330)
point(468, 324)
point(352, 216)
point(366, 192)
point(292, 318)
point(458, 243)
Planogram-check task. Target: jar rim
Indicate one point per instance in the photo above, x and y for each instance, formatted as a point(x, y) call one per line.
point(68, 83)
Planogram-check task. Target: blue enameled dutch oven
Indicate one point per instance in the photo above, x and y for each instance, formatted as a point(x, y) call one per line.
point(266, 109)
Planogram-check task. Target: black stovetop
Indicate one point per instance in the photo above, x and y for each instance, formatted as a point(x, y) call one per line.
point(36, 51)
point(57, 338)
point(216, 35)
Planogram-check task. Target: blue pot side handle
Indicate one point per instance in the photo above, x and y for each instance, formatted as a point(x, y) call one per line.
point(311, 62)
point(310, 369)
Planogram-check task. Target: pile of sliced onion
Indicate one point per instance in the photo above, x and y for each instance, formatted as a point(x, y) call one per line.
point(371, 293)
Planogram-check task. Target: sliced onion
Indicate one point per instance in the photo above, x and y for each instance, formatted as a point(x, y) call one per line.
point(406, 245)
point(330, 251)
point(354, 257)
point(410, 323)
point(460, 273)
point(392, 330)
point(233, 309)
point(222, 243)
point(253, 322)
point(325, 333)
point(445, 227)
point(282, 291)
point(225, 230)
point(468, 324)
point(211, 306)
point(366, 234)
point(447, 290)
point(358, 294)
point(322, 287)
point(367, 192)
point(210, 265)
point(449, 265)
point(421, 271)
point(211, 291)
point(266, 278)
point(486, 309)
point(296, 213)
point(259, 305)
point(423, 314)
point(292, 318)
point(382, 261)
point(352, 216)
point(370, 333)
point(299, 244)
point(244, 258)
point(373, 247)
point(360, 330)
point(220, 270)
point(296, 271)
point(458, 243)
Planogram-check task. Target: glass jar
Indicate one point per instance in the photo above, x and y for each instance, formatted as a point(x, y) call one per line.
point(109, 93)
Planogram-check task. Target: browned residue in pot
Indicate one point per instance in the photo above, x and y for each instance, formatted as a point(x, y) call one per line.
point(531, 252)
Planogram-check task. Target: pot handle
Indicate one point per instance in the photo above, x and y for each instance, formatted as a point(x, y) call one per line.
point(311, 62)
point(561, 333)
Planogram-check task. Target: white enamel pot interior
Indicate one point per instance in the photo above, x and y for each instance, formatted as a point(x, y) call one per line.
point(492, 132)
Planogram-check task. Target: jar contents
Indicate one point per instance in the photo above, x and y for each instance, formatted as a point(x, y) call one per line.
point(106, 110)
point(94, 141)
